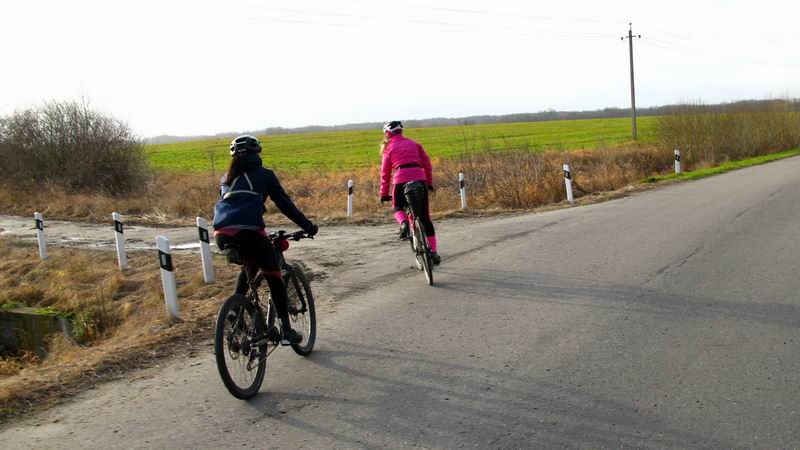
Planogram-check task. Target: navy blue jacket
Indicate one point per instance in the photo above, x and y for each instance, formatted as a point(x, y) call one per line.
point(242, 202)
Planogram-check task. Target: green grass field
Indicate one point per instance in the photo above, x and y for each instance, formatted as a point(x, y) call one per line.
point(347, 149)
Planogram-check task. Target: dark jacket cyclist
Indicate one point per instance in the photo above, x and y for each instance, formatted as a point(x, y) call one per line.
point(238, 219)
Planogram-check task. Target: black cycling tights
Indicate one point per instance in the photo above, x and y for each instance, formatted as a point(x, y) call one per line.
point(256, 247)
point(400, 202)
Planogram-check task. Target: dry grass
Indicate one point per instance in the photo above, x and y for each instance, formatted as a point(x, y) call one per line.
point(497, 179)
point(12, 365)
point(167, 199)
point(126, 324)
point(510, 177)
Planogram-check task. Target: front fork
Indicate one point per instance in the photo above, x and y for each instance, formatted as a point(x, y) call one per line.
point(273, 333)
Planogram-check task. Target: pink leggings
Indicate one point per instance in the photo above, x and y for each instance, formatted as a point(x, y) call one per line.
point(401, 217)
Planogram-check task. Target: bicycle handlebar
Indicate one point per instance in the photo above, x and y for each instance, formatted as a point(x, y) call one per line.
point(294, 236)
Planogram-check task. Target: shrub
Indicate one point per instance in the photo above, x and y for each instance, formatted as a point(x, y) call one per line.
point(713, 135)
point(71, 146)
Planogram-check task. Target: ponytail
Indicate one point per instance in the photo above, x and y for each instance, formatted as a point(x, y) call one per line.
point(384, 143)
point(236, 168)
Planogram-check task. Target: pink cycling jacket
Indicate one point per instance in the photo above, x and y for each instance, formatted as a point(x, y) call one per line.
point(401, 151)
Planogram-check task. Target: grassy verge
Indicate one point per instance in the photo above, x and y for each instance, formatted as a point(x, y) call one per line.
point(724, 167)
point(120, 317)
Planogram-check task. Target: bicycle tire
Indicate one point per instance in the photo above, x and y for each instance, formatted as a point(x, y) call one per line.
point(413, 239)
point(425, 253)
point(411, 232)
point(240, 303)
point(299, 292)
point(418, 254)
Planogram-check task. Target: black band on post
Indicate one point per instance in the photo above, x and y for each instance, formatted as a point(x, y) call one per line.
point(461, 183)
point(165, 261)
point(118, 226)
point(566, 174)
point(677, 157)
point(39, 225)
point(203, 234)
point(350, 190)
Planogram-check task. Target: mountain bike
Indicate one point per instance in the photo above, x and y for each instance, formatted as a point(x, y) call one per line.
point(247, 329)
point(414, 193)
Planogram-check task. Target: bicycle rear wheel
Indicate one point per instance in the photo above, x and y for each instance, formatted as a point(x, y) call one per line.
point(240, 346)
point(424, 252)
point(302, 315)
point(416, 245)
point(412, 237)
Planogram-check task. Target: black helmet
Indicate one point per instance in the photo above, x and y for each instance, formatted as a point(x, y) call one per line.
point(245, 144)
point(394, 127)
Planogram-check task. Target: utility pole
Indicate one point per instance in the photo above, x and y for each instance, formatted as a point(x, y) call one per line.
point(633, 91)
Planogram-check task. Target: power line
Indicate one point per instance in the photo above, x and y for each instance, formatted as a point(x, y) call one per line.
point(706, 54)
point(493, 13)
point(479, 31)
point(711, 44)
point(423, 22)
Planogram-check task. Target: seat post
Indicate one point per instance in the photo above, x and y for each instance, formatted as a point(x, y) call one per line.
point(251, 279)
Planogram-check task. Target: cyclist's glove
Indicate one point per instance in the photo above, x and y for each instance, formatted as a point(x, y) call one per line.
point(386, 198)
point(312, 230)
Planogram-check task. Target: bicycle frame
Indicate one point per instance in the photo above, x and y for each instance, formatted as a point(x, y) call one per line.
point(254, 282)
point(412, 235)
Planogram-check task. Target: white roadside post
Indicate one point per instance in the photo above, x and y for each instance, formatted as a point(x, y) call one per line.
point(349, 198)
point(119, 238)
point(677, 160)
point(205, 250)
point(568, 182)
point(39, 221)
point(168, 277)
point(463, 191)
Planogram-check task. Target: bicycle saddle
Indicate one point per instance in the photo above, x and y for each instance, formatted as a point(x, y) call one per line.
point(234, 255)
point(414, 188)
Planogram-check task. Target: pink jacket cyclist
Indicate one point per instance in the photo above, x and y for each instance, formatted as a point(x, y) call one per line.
point(407, 160)
point(404, 161)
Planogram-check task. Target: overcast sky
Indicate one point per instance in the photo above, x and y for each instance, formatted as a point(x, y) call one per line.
point(198, 67)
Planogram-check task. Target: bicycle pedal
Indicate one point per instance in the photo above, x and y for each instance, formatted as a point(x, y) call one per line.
point(274, 334)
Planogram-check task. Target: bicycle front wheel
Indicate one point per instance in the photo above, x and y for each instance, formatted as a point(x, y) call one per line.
point(424, 252)
point(302, 315)
point(240, 346)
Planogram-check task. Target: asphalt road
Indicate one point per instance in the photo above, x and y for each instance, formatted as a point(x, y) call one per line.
point(666, 319)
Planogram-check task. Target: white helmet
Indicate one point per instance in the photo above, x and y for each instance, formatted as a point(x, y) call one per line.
point(394, 127)
point(245, 144)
